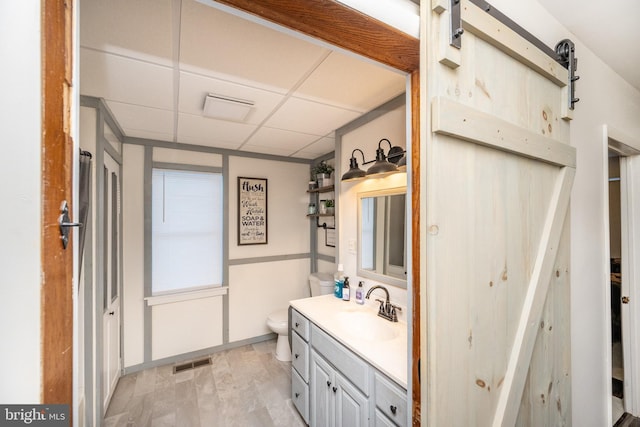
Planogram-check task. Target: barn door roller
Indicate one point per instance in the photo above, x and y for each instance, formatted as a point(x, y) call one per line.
point(566, 51)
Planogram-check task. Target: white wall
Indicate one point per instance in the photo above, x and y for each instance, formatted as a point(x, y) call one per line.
point(255, 289)
point(20, 194)
point(604, 99)
point(392, 126)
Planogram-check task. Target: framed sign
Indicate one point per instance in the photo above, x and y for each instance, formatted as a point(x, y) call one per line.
point(252, 211)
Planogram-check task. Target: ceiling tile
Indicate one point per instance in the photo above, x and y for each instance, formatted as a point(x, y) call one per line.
point(278, 138)
point(346, 81)
point(228, 47)
point(212, 132)
point(310, 117)
point(125, 80)
point(141, 29)
point(136, 117)
point(318, 148)
point(194, 88)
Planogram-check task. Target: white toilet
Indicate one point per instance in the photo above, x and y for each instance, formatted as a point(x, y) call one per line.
point(278, 321)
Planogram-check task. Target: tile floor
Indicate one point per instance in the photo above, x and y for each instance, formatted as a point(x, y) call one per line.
point(245, 387)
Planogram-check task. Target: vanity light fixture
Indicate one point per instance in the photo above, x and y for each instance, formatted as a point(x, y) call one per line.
point(394, 161)
point(354, 173)
point(381, 166)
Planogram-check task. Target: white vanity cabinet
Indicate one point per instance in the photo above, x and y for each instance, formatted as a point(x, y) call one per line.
point(332, 386)
point(300, 364)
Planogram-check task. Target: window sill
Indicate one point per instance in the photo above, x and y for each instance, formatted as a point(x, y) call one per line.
point(186, 296)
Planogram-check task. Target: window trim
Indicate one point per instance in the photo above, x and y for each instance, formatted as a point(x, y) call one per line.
point(179, 296)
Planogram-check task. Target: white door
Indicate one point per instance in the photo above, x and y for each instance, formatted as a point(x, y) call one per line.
point(624, 244)
point(111, 278)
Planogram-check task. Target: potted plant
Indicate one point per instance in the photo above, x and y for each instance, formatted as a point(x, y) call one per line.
point(330, 206)
point(321, 173)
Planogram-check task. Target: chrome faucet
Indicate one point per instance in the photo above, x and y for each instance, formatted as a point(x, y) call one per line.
point(386, 310)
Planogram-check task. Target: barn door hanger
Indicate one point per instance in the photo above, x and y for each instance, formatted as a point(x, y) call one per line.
point(566, 51)
point(456, 24)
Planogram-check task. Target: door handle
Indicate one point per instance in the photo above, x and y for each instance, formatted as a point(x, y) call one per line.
point(111, 313)
point(65, 223)
point(625, 300)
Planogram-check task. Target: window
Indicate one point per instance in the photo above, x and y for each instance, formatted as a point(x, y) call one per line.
point(187, 222)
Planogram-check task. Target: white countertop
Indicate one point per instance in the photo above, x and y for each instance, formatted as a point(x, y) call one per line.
point(387, 355)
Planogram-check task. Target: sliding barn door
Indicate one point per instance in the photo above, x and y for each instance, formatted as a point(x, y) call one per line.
point(499, 171)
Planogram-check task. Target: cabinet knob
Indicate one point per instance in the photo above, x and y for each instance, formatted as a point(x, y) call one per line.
point(328, 383)
point(335, 389)
point(394, 409)
point(297, 395)
point(297, 355)
point(297, 324)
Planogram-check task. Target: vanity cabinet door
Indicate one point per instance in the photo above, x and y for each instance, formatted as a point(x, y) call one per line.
point(334, 400)
point(321, 393)
point(351, 406)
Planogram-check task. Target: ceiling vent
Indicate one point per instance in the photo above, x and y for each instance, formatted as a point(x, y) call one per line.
point(226, 108)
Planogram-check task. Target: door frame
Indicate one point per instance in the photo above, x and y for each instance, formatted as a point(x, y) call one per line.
point(58, 147)
point(349, 29)
point(629, 150)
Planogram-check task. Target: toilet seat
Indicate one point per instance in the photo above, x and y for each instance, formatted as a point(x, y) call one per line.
point(279, 316)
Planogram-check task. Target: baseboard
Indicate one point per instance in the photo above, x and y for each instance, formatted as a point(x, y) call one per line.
point(180, 358)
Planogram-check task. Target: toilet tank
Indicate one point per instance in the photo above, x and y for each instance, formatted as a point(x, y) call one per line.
point(321, 283)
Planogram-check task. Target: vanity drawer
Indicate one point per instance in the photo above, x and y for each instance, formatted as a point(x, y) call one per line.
point(391, 399)
point(300, 395)
point(350, 366)
point(300, 324)
point(300, 356)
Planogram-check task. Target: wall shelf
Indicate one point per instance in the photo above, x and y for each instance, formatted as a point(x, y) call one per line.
point(316, 198)
point(326, 189)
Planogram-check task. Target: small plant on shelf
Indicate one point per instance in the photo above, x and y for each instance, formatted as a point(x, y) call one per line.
point(330, 205)
point(321, 173)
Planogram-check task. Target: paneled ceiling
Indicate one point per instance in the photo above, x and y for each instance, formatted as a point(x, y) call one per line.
point(154, 61)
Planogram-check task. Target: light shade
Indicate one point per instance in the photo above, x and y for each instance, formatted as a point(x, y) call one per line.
point(382, 166)
point(402, 164)
point(354, 172)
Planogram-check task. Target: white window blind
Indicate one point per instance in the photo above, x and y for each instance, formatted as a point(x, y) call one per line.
point(187, 226)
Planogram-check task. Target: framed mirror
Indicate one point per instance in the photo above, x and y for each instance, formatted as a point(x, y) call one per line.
point(382, 236)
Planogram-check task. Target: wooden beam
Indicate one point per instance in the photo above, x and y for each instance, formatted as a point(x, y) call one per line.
point(57, 263)
point(458, 120)
point(341, 26)
point(515, 377)
point(494, 32)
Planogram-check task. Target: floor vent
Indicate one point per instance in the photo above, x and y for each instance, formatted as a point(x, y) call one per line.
point(191, 365)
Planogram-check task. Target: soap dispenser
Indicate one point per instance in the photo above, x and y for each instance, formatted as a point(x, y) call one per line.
point(338, 280)
point(346, 295)
point(360, 293)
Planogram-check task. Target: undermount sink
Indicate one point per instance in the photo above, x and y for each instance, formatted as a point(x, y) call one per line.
point(366, 325)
